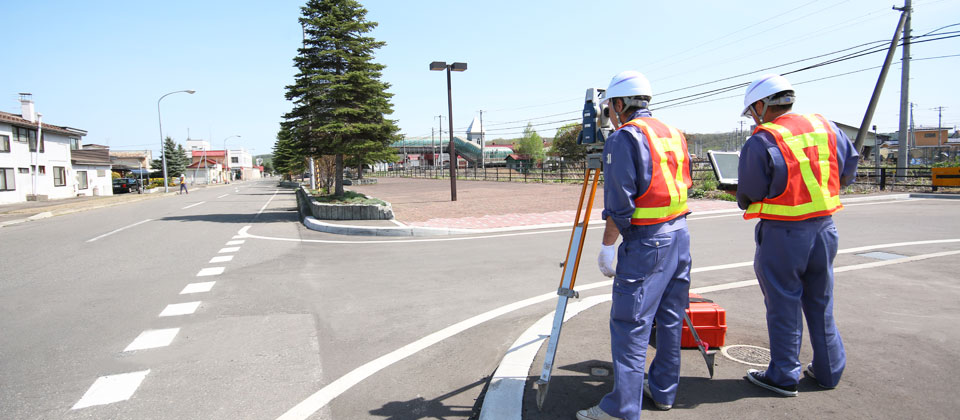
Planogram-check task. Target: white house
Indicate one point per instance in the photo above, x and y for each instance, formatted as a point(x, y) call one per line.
point(40, 170)
point(240, 165)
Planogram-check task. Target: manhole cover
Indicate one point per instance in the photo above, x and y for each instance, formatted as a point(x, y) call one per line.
point(748, 355)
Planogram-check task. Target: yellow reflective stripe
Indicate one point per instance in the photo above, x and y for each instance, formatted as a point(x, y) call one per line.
point(794, 211)
point(818, 189)
point(677, 189)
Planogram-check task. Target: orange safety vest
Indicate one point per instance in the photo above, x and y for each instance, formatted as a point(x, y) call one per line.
point(666, 197)
point(809, 148)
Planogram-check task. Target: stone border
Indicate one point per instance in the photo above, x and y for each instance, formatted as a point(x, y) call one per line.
point(324, 211)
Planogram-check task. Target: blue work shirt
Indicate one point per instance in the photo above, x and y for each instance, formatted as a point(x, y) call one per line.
point(762, 172)
point(627, 171)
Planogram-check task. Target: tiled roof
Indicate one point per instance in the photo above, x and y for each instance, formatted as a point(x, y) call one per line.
point(197, 164)
point(199, 153)
point(17, 120)
point(90, 157)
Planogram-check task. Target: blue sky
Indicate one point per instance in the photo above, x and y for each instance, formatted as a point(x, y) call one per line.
point(102, 65)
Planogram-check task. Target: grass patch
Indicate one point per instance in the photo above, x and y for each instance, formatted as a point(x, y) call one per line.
point(348, 197)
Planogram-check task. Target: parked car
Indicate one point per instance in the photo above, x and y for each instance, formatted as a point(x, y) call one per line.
point(127, 185)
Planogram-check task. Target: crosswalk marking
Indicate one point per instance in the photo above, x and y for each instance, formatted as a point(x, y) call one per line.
point(111, 389)
point(176, 309)
point(210, 271)
point(152, 339)
point(198, 287)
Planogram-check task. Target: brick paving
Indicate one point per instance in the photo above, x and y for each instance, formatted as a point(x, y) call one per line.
point(487, 204)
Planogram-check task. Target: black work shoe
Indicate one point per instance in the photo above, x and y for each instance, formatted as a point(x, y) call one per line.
point(808, 372)
point(760, 379)
point(648, 394)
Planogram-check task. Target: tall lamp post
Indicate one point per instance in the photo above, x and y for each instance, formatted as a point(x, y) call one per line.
point(440, 66)
point(225, 157)
point(163, 154)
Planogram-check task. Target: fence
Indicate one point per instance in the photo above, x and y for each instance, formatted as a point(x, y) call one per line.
point(884, 177)
point(564, 174)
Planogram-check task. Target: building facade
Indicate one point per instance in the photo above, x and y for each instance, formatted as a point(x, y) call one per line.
point(36, 159)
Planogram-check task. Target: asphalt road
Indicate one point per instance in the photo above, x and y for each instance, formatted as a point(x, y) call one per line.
point(301, 324)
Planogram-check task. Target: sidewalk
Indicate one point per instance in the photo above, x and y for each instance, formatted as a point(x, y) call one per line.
point(15, 213)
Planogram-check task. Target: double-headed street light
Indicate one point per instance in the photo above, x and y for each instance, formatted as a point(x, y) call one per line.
point(440, 66)
point(163, 154)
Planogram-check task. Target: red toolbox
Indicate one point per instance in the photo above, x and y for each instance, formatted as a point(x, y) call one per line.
point(709, 319)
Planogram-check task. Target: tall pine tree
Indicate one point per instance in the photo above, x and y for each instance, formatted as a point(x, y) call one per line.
point(176, 160)
point(339, 101)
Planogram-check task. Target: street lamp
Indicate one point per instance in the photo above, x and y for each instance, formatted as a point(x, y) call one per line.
point(225, 157)
point(440, 66)
point(163, 154)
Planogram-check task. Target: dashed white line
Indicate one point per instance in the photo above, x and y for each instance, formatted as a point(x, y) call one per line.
point(220, 259)
point(198, 287)
point(237, 242)
point(229, 249)
point(193, 205)
point(210, 271)
point(111, 389)
point(118, 230)
point(152, 339)
point(176, 309)
point(223, 195)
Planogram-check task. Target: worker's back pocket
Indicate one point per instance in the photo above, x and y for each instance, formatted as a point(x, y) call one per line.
point(638, 258)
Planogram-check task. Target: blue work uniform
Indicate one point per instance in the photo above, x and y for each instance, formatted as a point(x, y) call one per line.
point(652, 279)
point(794, 264)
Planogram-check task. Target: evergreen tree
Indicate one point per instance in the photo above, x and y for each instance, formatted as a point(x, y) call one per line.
point(339, 101)
point(176, 160)
point(287, 159)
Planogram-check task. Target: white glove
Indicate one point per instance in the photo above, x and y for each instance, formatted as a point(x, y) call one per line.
point(605, 260)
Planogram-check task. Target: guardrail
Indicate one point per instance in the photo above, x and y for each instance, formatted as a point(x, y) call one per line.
point(884, 177)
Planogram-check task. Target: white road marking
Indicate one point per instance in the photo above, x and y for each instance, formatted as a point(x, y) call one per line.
point(266, 204)
point(118, 230)
point(321, 398)
point(397, 222)
point(210, 271)
point(504, 397)
point(230, 249)
point(237, 242)
point(193, 205)
point(152, 339)
point(198, 287)
point(176, 309)
point(111, 389)
point(221, 258)
point(223, 195)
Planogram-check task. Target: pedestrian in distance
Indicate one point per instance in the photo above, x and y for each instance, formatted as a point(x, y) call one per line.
point(183, 185)
point(646, 177)
point(790, 174)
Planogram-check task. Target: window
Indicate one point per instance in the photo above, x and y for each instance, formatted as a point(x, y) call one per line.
point(82, 179)
point(101, 173)
point(74, 143)
point(59, 176)
point(929, 135)
point(24, 134)
point(4, 143)
point(234, 160)
point(24, 170)
point(33, 142)
point(7, 182)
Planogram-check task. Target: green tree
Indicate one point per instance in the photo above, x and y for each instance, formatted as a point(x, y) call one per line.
point(531, 144)
point(287, 157)
point(339, 102)
point(176, 160)
point(565, 144)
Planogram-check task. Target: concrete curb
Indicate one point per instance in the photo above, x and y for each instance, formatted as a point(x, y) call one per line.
point(936, 196)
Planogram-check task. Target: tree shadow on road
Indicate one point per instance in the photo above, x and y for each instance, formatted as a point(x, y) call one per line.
point(272, 216)
point(421, 408)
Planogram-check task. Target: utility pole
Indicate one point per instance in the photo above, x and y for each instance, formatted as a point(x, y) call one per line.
point(483, 163)
point(939, 123)
point(433, 151)
point(440, 147)
point(902, 155)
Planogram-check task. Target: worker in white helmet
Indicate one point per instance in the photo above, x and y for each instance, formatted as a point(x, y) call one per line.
point(646, 177)
point(790, 174)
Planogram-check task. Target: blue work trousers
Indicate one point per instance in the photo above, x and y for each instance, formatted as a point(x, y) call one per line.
point(794, 264)
point(652, 282)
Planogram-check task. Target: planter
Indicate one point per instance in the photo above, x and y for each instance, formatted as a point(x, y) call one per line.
point(323, 211)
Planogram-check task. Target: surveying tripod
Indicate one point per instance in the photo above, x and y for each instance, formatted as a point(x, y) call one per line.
point(570, 266)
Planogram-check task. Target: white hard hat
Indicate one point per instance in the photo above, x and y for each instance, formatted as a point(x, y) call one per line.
point(626, 84)
point(764, 87)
